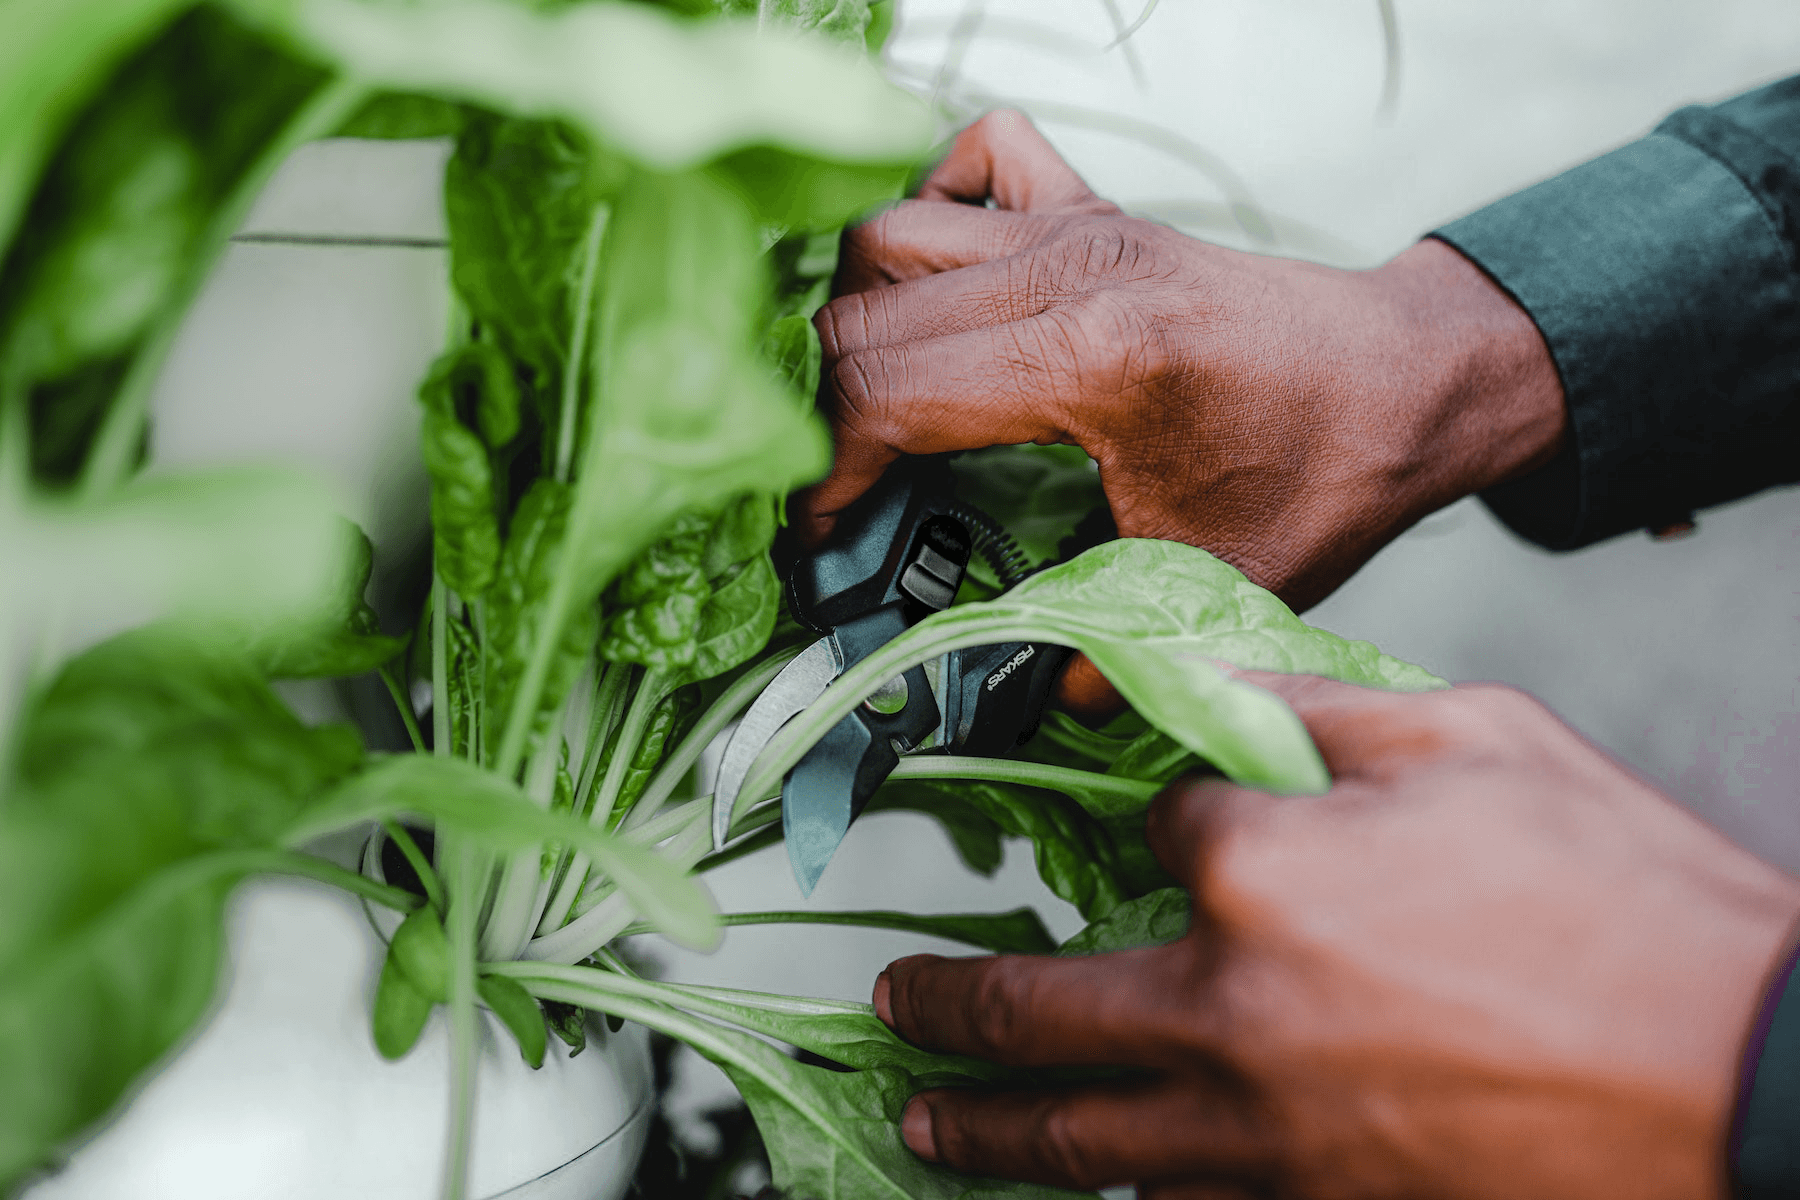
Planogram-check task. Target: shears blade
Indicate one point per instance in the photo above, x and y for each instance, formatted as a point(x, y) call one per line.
point(798, 685)
point(817, 801)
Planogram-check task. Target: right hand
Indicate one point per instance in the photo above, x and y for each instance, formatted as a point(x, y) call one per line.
point(1288, 417)
point(1490, 963)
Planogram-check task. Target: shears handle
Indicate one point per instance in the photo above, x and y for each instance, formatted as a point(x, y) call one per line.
point(993, 696)
point(898, 547)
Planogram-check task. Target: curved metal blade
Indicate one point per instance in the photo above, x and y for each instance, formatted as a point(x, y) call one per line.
point(818, 800)
point(798, 685)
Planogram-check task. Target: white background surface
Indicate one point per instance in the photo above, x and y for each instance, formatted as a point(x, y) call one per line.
point(1680, 658)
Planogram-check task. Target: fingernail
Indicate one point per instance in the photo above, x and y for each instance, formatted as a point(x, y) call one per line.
point(883, 1006)
point(915, 1130)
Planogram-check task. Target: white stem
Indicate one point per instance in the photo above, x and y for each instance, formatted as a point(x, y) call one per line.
point(608, 919)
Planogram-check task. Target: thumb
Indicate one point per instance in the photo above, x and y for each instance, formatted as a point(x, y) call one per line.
point(1004, 157)
point(1360, 732)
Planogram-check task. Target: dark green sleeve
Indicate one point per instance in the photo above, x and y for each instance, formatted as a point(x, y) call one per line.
point(1664, 279)
point(1765, 1129)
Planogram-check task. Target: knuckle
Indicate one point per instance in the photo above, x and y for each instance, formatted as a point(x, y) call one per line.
point(830, 319)
point(1099, 248)
point(1060, 1146)
point(1002, 1006)
point(857, 390)
point(1485, 710)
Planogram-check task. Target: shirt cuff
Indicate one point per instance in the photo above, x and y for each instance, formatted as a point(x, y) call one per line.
point(1765, 1130)
point(1664, 289)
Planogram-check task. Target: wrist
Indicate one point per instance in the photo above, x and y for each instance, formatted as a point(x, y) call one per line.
point(1487, 402)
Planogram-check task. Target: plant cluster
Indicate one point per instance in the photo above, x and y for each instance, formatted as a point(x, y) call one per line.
point(643, 205)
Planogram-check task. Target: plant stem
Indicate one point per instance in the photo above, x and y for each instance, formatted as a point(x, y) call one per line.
point(609, 702)
point(1101, 795)
point(403, 703)
point(577, 360)
point(733, 700)
point(115, 445)
point(650, 690)
point(769, 835)
point(440, 668)
point(509, 926)
point(744, 1055)
point(307, 866)
point(904, 922)
point(415, 857)
point(605, 921)
point(466, 894)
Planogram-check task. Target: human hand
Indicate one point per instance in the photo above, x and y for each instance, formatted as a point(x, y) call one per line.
point(1288, 417)
point(1489, 963)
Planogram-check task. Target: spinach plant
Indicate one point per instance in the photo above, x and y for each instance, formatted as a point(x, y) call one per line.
point(643, 204)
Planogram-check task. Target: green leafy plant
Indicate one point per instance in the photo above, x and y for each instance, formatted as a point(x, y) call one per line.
point(643, 204)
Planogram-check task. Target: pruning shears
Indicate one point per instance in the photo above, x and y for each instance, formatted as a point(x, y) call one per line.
point(900, 555)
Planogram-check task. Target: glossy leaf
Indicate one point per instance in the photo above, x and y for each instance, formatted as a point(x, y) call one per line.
point(400, 1011)
point(1150, 920)
point(830, 1134)
point(1039, 494)
point(520, 197)
point(422, 953)
point(518, 607)
point(519, 1013)
point(1075, 855)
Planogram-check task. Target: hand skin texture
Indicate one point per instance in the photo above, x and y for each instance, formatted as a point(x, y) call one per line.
point(1490, 963)
point(1290, 418)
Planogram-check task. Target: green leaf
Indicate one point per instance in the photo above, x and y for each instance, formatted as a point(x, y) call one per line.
point(568, 1022)
point(1039, 494)
point(422, 953)
point(128, 205)
point(668, 92)
point(148, 777)
point(1020, 931)
point(338, 638)
point(520, 196)
point(480, 804)
point(243, 553)
point(793, 191)
point(397, 116)
point(519, 1012)
point(55, 57)
point(841, 20)
point(793, 346)
point(1075, 856)
point(519, 609)
point(1162, 916)
point(685, 415)
point(400, 1011)
point(1153, 755)
point(830, 1134)
point(1155, 617)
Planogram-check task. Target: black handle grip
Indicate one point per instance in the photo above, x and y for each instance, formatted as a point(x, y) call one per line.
point(899, 545)
point(994, 695)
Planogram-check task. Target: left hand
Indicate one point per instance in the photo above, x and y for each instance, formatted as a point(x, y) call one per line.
point(1489, 964)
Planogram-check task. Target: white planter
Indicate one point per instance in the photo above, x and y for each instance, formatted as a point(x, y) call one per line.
point(282, 1096)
